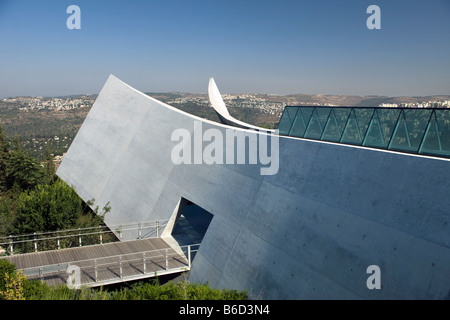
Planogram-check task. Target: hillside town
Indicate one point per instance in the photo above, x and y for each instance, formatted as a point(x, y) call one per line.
point(271, 104)
point(267, 103)
point(50, 103)
point(425, 104)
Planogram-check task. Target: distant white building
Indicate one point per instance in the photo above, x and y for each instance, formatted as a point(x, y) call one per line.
point(389, 105)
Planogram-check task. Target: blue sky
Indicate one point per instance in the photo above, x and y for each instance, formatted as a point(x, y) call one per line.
point(281, 47)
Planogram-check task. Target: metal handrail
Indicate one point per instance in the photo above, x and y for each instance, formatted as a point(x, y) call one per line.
point(58, 235)
point(88, 228)
point(49, 232)
point(120, 259)
point(114, 256)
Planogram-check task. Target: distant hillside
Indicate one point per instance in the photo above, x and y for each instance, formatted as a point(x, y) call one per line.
point(55, 129)
point(321, 99)
point(292, 99)
point(361, 101)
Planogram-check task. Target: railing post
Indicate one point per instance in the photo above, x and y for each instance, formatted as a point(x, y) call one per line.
point(79, 237)
point(157, 228)
point(35, 242)
point(95, 268)
point(189, 257)
point(59, 243)
point(167, 259)
point(120, 265)
point(145, 265)
point(11, 248)
point(139, 231)
point(101, 235)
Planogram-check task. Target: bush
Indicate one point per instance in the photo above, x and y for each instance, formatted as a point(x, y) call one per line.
point(48, 208)
point(12, 281)
point(23, 170)
point(6, 268)
point(36, 290)
point(13, 285)
point(183, 290)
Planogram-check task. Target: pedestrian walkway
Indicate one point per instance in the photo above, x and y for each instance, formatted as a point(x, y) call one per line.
point(104, 264)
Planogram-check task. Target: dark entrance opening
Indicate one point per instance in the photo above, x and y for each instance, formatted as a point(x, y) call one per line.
point(191, 224)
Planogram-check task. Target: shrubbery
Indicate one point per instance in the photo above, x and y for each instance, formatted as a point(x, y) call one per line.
point(34, 199)
point(14, 287)
point(47, 207)
point(6, 268)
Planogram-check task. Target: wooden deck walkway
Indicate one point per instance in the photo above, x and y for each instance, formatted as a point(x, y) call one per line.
point(104, 263)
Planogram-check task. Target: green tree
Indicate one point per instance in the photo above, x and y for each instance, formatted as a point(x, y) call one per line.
point(49, 168)
point(6, 268)
point(14, 286)
point(48, 207)
point(3, 160)
point(7, 214)
point(22, 169)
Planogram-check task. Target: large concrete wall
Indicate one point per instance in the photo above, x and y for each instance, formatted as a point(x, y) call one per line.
point(308, 232)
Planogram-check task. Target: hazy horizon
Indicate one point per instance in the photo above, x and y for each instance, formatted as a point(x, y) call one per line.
point(230, 93)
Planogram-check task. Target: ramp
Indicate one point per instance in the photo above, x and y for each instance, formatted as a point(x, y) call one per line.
point(105, 264)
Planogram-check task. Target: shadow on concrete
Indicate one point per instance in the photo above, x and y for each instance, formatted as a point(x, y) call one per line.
point(191, 225)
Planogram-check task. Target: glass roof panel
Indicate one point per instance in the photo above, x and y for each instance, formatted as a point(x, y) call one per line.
point(301, 122)
point(317, 123)
point(286, 119)
point(412, 130)
point(381, 128)
point(335, 124)
point(437, 136)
